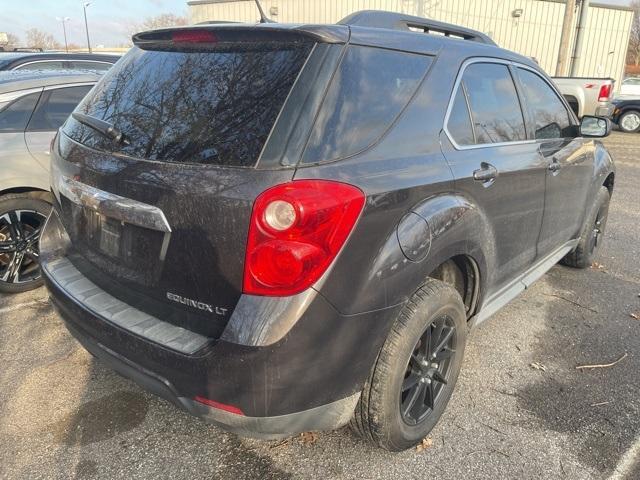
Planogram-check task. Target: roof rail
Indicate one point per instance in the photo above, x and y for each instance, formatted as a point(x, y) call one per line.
point(400, 21)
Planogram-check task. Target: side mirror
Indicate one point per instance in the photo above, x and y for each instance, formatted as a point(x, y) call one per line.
point(595, 126)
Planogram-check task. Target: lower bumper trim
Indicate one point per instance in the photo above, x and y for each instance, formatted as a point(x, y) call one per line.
point(323, 417)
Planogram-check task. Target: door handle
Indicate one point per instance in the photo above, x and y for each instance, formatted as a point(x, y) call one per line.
point(555, 165)
point(486, 173)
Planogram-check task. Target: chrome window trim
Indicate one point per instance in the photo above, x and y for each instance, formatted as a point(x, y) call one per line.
point(19, 67)
point(67, 85)
point(11, 96)
point(465, 64)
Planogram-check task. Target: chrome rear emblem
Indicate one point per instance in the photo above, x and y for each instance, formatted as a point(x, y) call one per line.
point(196, 304)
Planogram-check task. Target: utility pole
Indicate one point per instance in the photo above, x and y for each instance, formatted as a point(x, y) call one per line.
point(64, 30)
point(580, 31)
point(86, 25)
point(565, 38)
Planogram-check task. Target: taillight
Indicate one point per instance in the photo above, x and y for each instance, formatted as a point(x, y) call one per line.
point(193, 36)
point(605, 93)
point(296, 231)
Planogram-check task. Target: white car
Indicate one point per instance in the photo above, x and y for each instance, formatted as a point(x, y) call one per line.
point(630, 87)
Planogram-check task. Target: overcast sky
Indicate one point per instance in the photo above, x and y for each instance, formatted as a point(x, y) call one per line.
point(109, 20)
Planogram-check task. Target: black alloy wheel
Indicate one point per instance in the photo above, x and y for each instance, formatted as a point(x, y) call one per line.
point(428, 370)
point(597, 232)
point(415, 373)
point(21, 222)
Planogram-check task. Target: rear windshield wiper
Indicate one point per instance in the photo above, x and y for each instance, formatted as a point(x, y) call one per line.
point(102, 127)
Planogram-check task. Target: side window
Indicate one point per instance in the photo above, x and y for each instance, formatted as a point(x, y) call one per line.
point(14, 117)
point(367, 93)
point(42, 65)
point(88, 65)
point(55, 106)
point(495, 109)
point(459, 124)
point(550, 114)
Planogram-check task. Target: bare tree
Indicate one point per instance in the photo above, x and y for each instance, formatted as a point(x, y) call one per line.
point(13, 41)
point(633, 53)
point(158, 21)
point(36, 38)
point(163, 20)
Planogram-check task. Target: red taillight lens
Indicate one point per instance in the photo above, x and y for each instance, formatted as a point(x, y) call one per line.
point(605, 93)
point(296, 231)
point(193, 36)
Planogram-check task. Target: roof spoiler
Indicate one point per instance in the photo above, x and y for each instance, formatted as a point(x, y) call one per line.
point(400, 21)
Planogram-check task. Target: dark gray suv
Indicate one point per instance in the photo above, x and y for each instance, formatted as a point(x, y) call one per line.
point(283, 228)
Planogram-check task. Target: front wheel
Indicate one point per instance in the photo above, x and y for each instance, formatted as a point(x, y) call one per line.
point(629, 122)
point(592, 233)
point(416, 370)
point(21, 221)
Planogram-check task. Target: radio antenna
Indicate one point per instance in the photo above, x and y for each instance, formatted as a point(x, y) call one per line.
point(263, 17)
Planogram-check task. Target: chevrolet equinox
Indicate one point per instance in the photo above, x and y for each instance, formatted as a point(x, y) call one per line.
point(282, 228)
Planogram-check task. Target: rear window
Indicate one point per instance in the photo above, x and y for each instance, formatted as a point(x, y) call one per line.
point(367, 93)
point(215, 107)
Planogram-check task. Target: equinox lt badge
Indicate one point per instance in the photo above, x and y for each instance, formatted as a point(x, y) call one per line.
point(194, 303)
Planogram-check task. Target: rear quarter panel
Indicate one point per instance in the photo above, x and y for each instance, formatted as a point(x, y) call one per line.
point(404, 172)
point(19, 168)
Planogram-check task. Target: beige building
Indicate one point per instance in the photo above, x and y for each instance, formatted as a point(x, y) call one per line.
point(530, 27)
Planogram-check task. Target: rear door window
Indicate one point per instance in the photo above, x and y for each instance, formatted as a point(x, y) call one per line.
point(15, 116)
point(550, 114)
point(493, 100)
point(55, 106)
point(206, 107)
point(367, 93)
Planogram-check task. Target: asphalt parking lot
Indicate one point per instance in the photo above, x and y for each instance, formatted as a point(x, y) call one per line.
point(64, 415)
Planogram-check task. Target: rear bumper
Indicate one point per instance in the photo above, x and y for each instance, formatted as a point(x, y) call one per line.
point(323, 417)
point(306, 377)
point(604, 111)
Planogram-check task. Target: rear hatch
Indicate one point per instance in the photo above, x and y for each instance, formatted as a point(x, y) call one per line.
point(159, 217)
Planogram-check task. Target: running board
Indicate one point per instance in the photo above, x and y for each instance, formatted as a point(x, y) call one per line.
point(521, 283)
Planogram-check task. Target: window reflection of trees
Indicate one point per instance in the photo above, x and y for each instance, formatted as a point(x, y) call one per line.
point(199, 107)
point(551, 116)
point(494, 103)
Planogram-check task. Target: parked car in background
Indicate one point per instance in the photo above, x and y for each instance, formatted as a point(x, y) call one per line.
point(33, 105)
point(56, 61)
point(626, 114)
point(310, 245)
point(630, 87)
point(587, 96)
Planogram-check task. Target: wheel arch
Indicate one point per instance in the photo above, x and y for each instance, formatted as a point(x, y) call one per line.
point(609, 182)
point(461, 272)
point(33, 192)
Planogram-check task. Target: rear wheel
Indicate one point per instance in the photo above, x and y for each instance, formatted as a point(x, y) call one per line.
point(592, 233)
point(416, 370)
point(21, 221)
point(629, 122)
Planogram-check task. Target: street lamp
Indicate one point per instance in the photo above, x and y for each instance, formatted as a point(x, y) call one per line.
point(86, 26)
point(64, 30)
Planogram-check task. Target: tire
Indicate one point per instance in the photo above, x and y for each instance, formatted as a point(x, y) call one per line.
point(19, 253)
point(592, 233)
point(378, 417)
point(629, 122)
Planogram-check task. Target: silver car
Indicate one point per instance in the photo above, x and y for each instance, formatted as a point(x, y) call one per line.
point(33, 105)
